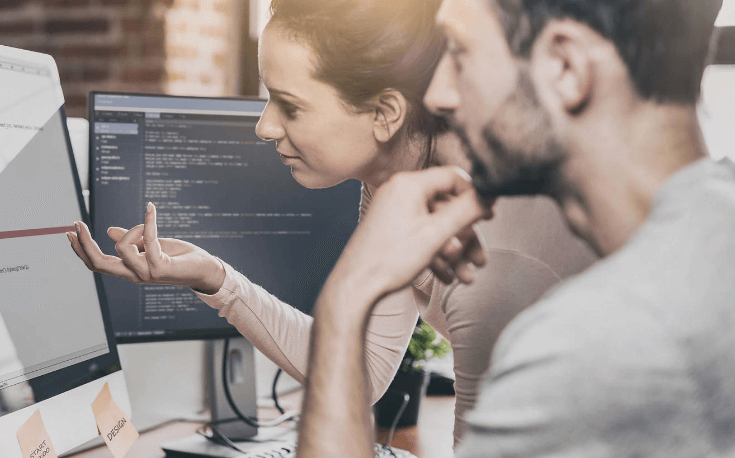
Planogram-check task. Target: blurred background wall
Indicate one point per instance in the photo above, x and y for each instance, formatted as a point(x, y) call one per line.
point(193, 47)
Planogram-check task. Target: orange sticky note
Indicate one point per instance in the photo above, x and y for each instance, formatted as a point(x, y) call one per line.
point(112, 423)
point(34, 439)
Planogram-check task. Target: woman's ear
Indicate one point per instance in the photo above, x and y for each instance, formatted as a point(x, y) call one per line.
point(390, 111)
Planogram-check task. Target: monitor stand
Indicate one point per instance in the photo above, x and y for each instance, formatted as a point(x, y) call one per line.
point(241, 375)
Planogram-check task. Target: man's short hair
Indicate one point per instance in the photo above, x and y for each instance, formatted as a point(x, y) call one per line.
point(664, 43)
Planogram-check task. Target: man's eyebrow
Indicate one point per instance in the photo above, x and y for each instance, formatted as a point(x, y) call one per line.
point(453, 33)
point(281, 93)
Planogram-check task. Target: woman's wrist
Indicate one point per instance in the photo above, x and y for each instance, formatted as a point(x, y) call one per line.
point(213, 279)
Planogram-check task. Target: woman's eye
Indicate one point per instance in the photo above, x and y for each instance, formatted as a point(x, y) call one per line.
point(289, 109)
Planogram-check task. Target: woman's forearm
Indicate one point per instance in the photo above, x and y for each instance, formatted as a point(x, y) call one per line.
point(283, 333)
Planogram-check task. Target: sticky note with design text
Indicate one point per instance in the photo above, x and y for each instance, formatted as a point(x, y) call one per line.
point(117, 430)
point(34, 440)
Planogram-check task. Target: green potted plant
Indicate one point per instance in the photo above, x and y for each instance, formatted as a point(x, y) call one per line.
point(411, 378)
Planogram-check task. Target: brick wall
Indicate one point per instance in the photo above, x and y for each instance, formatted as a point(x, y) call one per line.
point(186, 47)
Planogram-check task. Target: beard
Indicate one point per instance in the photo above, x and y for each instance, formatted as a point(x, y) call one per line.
point(520, 154)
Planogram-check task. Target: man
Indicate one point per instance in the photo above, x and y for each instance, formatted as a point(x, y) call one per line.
point(593, 103)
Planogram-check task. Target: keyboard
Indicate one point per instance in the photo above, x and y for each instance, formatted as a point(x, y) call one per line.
point(289, 451)
point(281, 446)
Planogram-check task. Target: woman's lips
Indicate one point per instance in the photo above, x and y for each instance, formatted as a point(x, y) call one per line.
point(288, 160)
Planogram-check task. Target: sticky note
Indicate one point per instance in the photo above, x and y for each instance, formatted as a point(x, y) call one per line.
point(113, 424)
point(34, 439)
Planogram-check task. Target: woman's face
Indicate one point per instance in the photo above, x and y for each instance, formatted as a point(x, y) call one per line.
point(321, 138)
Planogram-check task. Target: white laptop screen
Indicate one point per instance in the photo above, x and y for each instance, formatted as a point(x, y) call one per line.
point(50, 314)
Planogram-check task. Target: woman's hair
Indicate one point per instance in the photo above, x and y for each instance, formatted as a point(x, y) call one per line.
point(363, 47)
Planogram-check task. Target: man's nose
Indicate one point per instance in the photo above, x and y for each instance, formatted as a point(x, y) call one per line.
point(442, 97)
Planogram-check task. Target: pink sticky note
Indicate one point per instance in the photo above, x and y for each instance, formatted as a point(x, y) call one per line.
point(34, 439)
point(115, 427)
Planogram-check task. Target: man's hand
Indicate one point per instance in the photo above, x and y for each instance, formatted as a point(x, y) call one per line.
point(417, 219)
point(144, 258)
point(412, 219)
point(456, 256)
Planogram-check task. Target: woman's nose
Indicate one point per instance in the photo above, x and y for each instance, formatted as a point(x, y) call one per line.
point(269, 126)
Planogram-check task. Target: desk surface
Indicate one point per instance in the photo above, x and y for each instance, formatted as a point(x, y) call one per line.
point(431, 438)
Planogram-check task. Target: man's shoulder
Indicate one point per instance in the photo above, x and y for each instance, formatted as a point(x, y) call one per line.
point(631, 357)
point(704, 191)
point(576, 369)
point(589, 321)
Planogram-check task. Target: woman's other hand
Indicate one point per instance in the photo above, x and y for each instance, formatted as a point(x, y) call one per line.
point(144, 258)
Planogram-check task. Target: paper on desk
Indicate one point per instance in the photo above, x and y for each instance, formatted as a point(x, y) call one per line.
point(113, 425)
point(34, 439)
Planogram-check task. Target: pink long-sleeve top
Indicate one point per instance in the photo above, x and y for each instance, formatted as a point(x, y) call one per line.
point(529, 251)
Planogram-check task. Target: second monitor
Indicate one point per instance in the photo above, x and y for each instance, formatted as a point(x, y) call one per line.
point(218, 186)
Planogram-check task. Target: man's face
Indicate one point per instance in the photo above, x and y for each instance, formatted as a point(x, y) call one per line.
point(490, 98)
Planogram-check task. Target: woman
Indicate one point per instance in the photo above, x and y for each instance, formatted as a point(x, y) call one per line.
point(346, 80)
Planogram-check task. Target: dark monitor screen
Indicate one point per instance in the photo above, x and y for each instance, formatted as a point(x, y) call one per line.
point(217, 185)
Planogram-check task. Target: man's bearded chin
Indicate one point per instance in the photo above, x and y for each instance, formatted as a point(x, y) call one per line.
point(515, 172)
point(507, 173)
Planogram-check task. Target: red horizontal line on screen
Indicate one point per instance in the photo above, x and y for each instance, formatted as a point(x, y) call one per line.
point(35, 232)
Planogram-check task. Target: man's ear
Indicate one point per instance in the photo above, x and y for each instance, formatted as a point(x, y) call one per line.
point(390, 112)
point(566, 50)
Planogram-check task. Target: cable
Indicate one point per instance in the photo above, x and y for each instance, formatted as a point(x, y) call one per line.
point(252, 421)
point(274, 393)
point(406, 398)
point(217, 437)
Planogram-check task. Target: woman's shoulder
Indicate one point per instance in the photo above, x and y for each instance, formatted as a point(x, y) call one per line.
point(366, 197)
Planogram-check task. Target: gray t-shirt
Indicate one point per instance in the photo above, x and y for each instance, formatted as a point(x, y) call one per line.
point(635, 357)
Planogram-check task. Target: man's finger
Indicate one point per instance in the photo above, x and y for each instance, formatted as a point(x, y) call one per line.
point(473, 246)
point(464, 273)
point(441, 270)
point(453, 217)
point(452, 251)
point(448, 180)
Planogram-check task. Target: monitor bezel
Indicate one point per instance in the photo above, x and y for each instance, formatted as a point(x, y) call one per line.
point(181, 334)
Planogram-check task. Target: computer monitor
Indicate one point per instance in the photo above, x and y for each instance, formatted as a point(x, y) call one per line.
point(57, 348)
point(214, 184)
point(217, 185)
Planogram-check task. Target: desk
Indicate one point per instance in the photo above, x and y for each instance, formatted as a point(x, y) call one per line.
point(431, 438)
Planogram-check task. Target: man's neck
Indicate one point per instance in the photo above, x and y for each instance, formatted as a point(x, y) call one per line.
point(608, 184)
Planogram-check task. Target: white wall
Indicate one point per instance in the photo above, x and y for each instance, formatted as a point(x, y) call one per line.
point(167, 380)
point(727, 14)
point(717, 110)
